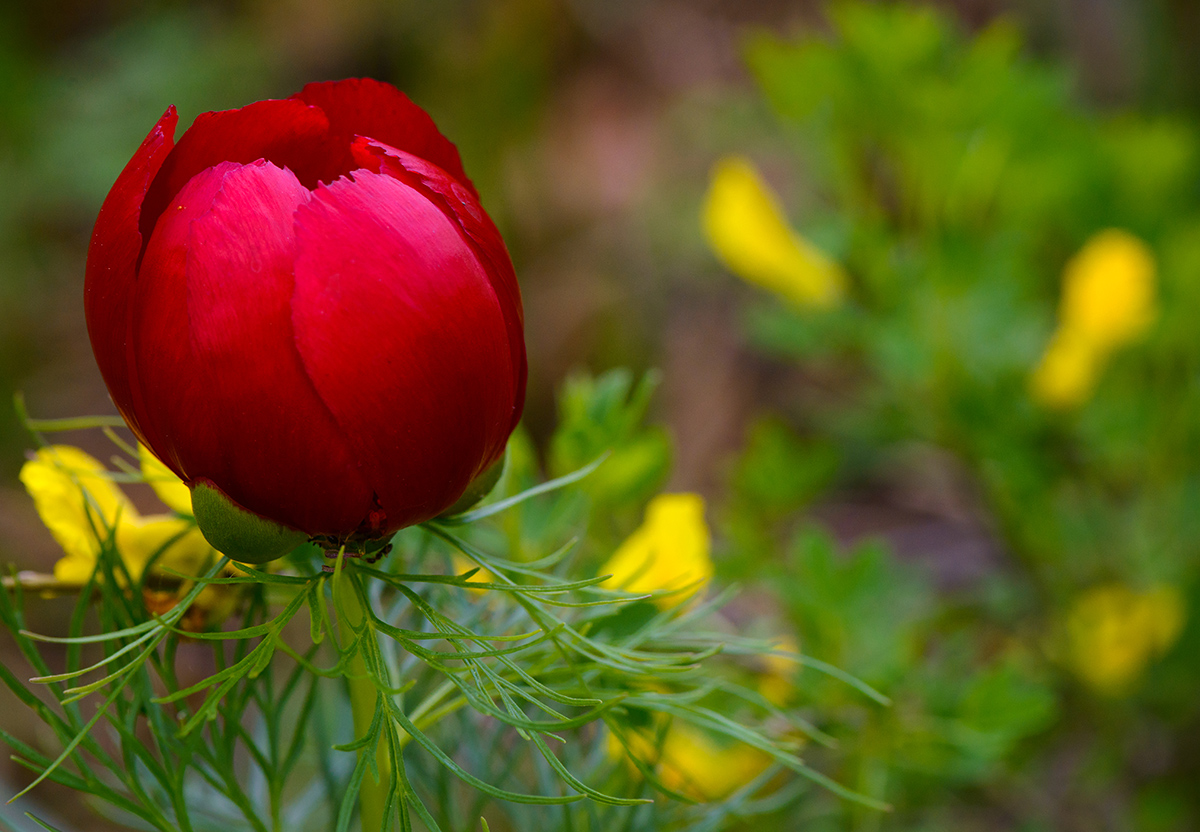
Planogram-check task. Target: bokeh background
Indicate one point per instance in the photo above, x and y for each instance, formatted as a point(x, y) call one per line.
point(1020, 577)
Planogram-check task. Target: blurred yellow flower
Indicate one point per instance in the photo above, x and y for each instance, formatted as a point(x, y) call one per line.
point(1113, 632)
point(668, 553)
point(85, 511)
point(746, 228)
point(463, 564)
point(691, 762)
point(1068, 371)
point(1109, 289)
point(1108, 301)
point(777, 683)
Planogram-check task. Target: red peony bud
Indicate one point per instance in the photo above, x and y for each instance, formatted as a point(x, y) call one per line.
point(302, 305)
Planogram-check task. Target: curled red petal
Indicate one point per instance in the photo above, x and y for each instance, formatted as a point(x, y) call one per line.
point(399, 329)
point(370, 108)
point(232, 401)
point(111, 272)
point(288, 133)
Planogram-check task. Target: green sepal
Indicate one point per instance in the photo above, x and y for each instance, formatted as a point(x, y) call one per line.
point(242, 535)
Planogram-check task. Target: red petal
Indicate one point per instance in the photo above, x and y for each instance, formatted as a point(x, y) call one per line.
point(112, 262)
point(463, 208)
point(218, 357)
point(366, 107)
point(288, 133)
point(402, 335)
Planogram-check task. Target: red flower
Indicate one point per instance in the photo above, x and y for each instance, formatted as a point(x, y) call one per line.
point(302, 305)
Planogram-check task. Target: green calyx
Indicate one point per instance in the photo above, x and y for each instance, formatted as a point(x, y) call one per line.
point(242, 535)
point(479, 488)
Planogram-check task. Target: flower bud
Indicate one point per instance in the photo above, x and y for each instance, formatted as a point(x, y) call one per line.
point(303, 311)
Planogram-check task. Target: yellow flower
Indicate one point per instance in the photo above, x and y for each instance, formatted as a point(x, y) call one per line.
point(749, 233)
point(778, 681)
point(669, 552)
point(74, 500)
point(462, 564)
point(1113, 632)
point(85, 511)
point(1108, 290)
point(1068, 371)
point(169, 488)
point(691, 762)
point(1107, 302)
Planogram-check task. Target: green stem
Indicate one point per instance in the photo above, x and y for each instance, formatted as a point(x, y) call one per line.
point(348, 601)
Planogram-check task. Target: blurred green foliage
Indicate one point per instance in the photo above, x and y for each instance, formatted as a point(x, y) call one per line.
point(959, 709)
point(954, 177)
point(606, 415)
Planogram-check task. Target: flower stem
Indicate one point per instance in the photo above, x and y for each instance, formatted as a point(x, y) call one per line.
point(348, 601)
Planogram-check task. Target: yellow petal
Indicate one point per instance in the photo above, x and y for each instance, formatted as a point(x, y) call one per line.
point(748, 231)
point(1113, 633)
point(183, 547)
point(78, 504)
point(692, 763)
point(669, 551)
point(1165, 613)
point(214, 604)
point(169, 488)
point(74, 569)
point(1066, 375)
point(689, 761)
point(777, 683)
point(463, 564)
point(1109, 289)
